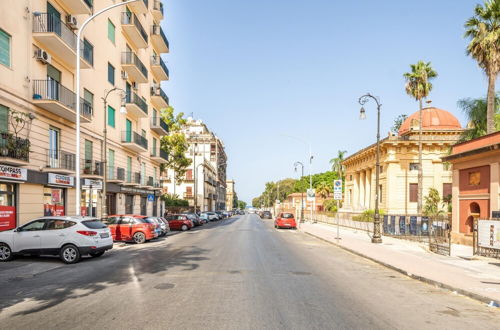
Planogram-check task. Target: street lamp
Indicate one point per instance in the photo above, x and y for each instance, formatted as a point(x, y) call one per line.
point(377, 237)
point(77, 97)
point(123, 110)
point(302, 194)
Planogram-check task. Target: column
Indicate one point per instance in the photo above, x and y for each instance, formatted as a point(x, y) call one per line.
point(362, 182)
point(494, 189)
point(355, 192)
point(368, 188)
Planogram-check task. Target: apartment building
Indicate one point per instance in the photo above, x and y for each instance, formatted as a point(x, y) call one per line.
point(230, 195)
point(204, 184)
point(121, 54)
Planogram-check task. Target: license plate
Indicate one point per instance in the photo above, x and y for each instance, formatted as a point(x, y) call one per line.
point(104, 235)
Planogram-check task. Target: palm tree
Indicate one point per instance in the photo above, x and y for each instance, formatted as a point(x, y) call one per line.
point(337, 163)
point(323, 189)
point(418, 86)
point(475, 110)
point(483, 30)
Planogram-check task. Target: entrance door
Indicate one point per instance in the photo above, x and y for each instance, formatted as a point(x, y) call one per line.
point(53, 82)
point(129, 204)
point(111, 203)
point(53, 19)
point(128, 131)
point(144, 203)
point(7, 206)
point(128, 92)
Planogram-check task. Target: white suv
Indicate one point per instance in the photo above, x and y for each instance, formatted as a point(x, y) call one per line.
point(69, 237)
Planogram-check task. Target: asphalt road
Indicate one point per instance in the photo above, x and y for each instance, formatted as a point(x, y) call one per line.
point(238, 273)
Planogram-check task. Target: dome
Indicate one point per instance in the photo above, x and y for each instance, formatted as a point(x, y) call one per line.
point(432, 119)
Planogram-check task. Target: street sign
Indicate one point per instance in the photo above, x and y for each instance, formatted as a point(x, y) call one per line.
point(337, 190)
point(151, 198)
point(311, 195)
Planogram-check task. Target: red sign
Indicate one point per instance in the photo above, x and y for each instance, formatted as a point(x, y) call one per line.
point(83, 211)
point(59, 210)
point(7, 217)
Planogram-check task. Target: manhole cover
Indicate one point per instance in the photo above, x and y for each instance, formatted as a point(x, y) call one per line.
point(164, 286)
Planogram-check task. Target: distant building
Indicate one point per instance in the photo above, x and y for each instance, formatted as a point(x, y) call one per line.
point(398, 185)
point(230, 195)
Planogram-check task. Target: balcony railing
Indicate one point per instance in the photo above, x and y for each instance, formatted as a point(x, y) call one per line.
point(188, 195)
point(129, 18)
point(15, 148)
point(132, 97)
point(137, 178)
point(157, 5)
point(134, 137)
point(59, 159)
point(157, 30)
point(157, 121)
point(90, 167)
point(129, 176)
point(131, 58)
point(163, 154)
point(150, 181)
point(157, 60)
point(53, 90)
point(157, 91)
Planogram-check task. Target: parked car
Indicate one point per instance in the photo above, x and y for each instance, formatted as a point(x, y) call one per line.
point(179, 222)
point(162, 227)
point(227, 214)
point(204, 217)
point(197, 221)
point(69, 237)
point(266, 215)
point(131, 228)
point(211, 216)
point(285, 220)
point(166, 223)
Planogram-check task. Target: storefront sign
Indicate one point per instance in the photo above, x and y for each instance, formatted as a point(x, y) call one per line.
point(94, 184)
point(61, 180)
point(128, 190)
point(13, 173)
point(7, 217)
point(489, 234)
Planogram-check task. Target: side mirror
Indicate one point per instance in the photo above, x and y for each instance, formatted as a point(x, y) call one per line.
point(17, 230)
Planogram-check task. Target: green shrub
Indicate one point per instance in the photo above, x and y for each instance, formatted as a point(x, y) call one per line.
point(367, 216)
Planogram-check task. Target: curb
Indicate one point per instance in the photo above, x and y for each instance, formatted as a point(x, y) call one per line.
point(426, 280)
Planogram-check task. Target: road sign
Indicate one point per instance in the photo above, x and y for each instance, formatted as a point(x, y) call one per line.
point(311, 195)
point(151, 198)
point(337, 190)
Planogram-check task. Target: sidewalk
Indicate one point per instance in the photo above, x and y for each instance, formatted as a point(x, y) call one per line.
point(478, 278)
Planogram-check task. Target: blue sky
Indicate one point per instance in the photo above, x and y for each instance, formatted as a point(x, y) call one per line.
point(258, 71)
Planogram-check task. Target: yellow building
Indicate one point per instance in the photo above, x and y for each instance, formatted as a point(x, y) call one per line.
point(398, 186)
point(121, 49)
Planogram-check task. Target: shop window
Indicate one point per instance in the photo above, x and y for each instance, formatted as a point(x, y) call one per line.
point(54, 201)
point(7, 206)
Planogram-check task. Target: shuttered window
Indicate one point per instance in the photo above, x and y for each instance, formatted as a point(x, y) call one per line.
point(111, 31)
point(446, 189)
point(413, 192)
point(111, 74)
point(111, 116)
point(89, 99)
point(4, 119)
point(4, 48)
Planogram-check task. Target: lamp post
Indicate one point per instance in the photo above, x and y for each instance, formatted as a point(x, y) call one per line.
point(302, 194)
point(77, 97)
point(104, 205)
point(377, 237)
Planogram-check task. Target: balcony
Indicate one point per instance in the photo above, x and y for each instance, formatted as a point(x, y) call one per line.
point(78, 6)
point(14, 150)
point(134, 141)
point(53, 97)
point(133, 66)
point(57, 38)
point(159, 126)
point(134, 30)
point(157, 10)
point(140, 7)
point(138, 179)
point(61, 162)
point(158, 39)
point(92, 169)
point(188, 195)
point(159, 156)
point(129, 179)
point(158, 97)
point(116, 174)
point(135, 105)
point(160, 70)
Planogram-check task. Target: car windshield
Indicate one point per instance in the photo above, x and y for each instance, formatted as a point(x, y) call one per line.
point(94, 224)
point(287, 215)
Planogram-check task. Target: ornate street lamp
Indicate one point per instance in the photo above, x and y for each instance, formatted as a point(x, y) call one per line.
point(377, 237)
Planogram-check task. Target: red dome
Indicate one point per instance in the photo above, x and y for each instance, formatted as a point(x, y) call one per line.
point(432, 119)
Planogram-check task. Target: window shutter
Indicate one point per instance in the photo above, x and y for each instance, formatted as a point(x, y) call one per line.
point(4, 119)
point(111, 116)
point(4, 48)
point(111, 31)
point(413, 193)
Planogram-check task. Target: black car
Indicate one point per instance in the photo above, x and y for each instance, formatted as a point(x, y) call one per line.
point(194, 218)
point(266, 215)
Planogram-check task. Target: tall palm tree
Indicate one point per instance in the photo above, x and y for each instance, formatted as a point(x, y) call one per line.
point(475, 110)
point(418, 86)
point(323, 189)
point(337, 163)
point(483, 30)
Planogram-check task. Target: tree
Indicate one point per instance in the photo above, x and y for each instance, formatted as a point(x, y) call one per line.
point(242, 205)
point(398, 122)
point(337, 163)
point(418, 86)
point(476, 112)
point(483, 31)
point(324, 189)
point(432, 204)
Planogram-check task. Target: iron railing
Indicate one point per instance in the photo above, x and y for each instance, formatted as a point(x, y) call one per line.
point(163, 154)
point(132, 97)
point(157, 5)
point(157, 121)
point(129, 18)
point(59, 159)
point(90, 167)
point(120, 174)
point(128, 176)
point(137, 177)
point(131, 58)
point(51, 23)
point(134, 137)
point(157, 30)
point(14, 147)
point(53, 90)
point(157, 91)
point(150, 181)
point(157, 60)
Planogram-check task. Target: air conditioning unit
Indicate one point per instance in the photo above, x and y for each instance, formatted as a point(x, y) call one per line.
point(124, 75)
point(72, 22)
point(43, 56)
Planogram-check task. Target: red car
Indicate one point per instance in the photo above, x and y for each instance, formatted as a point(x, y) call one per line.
point(285, 220)
point(179, 222)
point(131, 228)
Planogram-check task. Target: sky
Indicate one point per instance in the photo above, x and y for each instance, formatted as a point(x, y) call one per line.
point(272, 77)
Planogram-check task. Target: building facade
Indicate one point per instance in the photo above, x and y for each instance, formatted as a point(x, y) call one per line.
point(398, 185)
point(204, 184)
point(230, 195)
point(120, 49)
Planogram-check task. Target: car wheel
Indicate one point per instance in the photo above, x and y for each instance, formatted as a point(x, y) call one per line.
point(5, 252)
point(69, 254)
point(184, 227)
point(96, 254)
point(139, 238)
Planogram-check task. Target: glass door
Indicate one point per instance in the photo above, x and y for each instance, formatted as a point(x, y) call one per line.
point(128, 93)
point(53, 82)
point(53, 20)
point(53, 147)
point(87, 167)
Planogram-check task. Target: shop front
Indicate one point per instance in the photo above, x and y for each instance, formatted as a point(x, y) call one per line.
point(91, 190)
point(55, 194)
point(10, 177)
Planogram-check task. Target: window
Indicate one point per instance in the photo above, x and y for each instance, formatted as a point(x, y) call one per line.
point(4, 119)
point(4, 48)
point(143, 133)
point(88, 157)
point(381, 169)
point(111, 31)
point(111, 116)
point(111, 164)
point(189, 175)
point(89, 99)
point(154, 147)
point(88, 52)
point(413, 192)
point(446, 190)
point(189, 191)
point(35, 225)
point(129, 169)
point(54, 224)
point(111, 73)
point(413, 166)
